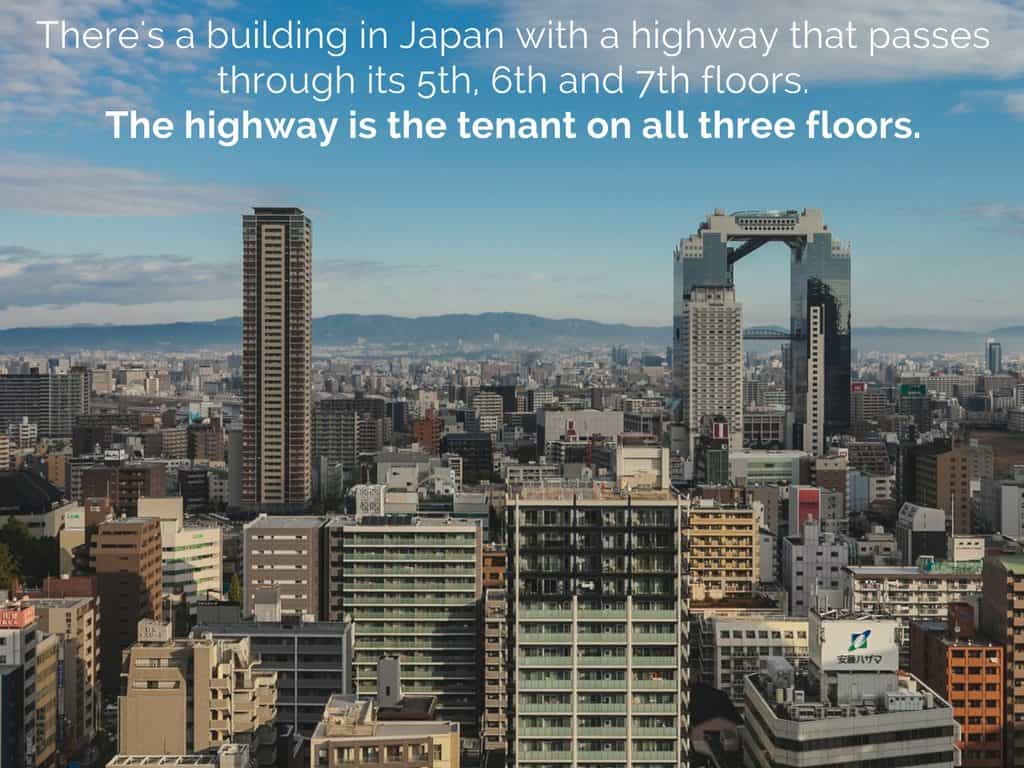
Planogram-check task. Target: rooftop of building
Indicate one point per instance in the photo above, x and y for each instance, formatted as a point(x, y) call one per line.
point(393, 522)
point(805, 701)
point(285, 521)
point(766, 453)
point(264, 210)
point(184, 761)
point(940, 629)
point(346, 717)
point(59, 602)
point(26, 493)
point(287, 626)
point(227, 754)
point(567, 491)
point(944, 568)
point(130, 521)
point(1012, 563)
point(753, 618)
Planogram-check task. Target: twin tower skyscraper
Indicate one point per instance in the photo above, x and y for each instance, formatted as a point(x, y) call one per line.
point(708, 329)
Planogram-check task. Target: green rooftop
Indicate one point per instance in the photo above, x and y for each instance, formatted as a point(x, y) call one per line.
point(1013, 563)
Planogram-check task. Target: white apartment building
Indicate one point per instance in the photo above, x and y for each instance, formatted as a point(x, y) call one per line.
point(711, 371)
point(488, 409)
point(911, 593)
point(812, 568)
point(532, 474)
point(733, 648)
point(1002, 504)
point(192, 554)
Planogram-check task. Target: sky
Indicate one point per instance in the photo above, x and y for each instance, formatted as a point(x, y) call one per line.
point(94, 230)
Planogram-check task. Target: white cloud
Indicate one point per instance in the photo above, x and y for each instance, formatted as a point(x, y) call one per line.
point(40, 83)
point(1003, 18)
point(1013, 103)
point(63, 280)
point(50, 186)
point(999, 211)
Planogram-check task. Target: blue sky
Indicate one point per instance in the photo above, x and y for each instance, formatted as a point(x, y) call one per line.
point(101, 231)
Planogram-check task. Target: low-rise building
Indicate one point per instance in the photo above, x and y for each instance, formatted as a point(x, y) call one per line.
point(876, 547)
point(851, 706)
point(911, 593)
point(399, 733)
point(227, 756)
point(532, 473)
point(920, 531)
point(310, 661)
point(734, 648)
point(181, 697)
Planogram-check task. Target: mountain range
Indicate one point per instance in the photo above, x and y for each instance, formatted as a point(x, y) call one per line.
point(491, 329)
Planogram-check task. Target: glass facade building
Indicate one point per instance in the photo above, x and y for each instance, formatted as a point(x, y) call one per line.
point(819, 278)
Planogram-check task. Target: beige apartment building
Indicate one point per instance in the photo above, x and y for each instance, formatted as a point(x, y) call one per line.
point(75, 620)
point(283, 552)
point(180, 697)
point(494, 725)
point(723, 543)
point(356, 733)
point(47, 656)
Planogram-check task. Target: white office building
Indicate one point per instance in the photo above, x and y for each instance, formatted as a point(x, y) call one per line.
point(851, 706)
point(757, 467)
point(734, 647)
point(192, 554)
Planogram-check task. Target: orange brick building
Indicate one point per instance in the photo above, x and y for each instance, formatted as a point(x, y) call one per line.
point(495, 562)
point(966, 670)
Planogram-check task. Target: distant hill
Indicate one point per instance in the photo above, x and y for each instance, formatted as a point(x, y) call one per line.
point(446, 330)
point(338, 330)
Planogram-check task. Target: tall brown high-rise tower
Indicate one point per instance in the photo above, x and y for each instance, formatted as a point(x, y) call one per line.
point(277, 261)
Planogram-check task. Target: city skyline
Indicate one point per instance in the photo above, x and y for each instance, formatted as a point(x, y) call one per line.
point(568, 229)
point(486, 451)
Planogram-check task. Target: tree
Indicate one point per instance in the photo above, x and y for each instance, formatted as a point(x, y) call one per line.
point(235, 590)
point(35, 558)
point(9, 567)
